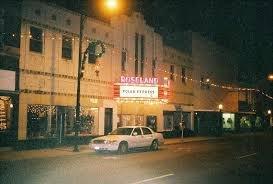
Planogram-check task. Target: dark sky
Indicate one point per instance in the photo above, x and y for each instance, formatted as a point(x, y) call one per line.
point(244, 26)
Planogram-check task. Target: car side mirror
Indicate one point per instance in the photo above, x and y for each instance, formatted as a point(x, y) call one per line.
point(134, 133)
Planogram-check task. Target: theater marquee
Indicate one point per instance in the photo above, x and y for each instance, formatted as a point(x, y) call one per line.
point(141, 89)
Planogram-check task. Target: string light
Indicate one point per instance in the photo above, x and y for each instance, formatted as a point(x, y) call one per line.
point(130, 59)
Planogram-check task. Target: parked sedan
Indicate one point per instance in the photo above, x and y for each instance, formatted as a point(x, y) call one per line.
point(124, 138)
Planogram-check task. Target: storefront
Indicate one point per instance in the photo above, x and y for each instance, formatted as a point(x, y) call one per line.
point(9, 99)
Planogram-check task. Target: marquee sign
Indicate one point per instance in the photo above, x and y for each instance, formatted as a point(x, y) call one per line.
point(138, 80)
point(141, 88)
point(138, 92)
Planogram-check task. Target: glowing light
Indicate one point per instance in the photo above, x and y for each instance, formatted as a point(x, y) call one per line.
point(220, 106)
point(270, 77)
point(111, 4)
point(269, 112)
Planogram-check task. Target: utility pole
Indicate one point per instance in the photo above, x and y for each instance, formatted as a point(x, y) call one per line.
point(77, 123)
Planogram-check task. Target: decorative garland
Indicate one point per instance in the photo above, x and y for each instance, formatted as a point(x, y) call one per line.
point(94, 45)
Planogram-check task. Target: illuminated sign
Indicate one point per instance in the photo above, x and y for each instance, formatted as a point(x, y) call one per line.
point(142, 89)
point(7, 80)
point(138, 80)
point(138, 92)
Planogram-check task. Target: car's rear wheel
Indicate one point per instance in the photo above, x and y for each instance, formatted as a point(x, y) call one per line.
point(123, 148)
point(154, 145)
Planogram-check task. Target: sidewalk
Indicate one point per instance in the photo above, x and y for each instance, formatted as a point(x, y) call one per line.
point(9, 154)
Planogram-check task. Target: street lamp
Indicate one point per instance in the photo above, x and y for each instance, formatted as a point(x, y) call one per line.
point(220, 124)
point(270, 117)
point(270, 77)
point(111, 4)
point(94, 50)
point(220, 107)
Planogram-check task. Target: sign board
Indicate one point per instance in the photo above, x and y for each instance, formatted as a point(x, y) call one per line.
point(7, 80)
point(139, 91)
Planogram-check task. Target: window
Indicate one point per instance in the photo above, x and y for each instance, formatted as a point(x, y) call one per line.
point(38, 12)
point(202, 82)
point(172, 72)
point(36, 41)
point(106, 35)
point(153, 67)
point(183, 75)
point(136, 54)
point(142, 50)
point(67, 47)
point(123, 60)
point(53, 17)
point(138, 131)
point(91, 55)
point(68, 22)
point(146, 131)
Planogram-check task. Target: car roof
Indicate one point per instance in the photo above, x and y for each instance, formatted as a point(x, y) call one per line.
point(133, 126)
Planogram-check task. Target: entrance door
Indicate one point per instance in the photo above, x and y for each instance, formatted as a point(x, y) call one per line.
point(108, 120)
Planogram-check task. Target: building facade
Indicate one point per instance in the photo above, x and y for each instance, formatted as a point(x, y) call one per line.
point(138, 80)
point(9, 72)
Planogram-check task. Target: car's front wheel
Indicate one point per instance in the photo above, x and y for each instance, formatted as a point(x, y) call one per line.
point(123, 148)
point(154, 145)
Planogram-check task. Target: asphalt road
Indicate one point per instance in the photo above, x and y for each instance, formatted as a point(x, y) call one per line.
point(235, 160)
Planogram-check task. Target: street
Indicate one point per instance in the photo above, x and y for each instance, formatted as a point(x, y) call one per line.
point(241, 160)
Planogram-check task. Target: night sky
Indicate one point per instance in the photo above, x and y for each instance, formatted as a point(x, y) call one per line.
point(244, 26)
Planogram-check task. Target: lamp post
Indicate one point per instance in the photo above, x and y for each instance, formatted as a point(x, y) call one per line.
point(220, 123)
point(270, 117)
point(80, 72)
point(91, 49)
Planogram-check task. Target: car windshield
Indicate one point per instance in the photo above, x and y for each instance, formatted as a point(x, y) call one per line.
point(122, 131)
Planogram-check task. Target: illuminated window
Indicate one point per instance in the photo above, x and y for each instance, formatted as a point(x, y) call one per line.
point(36, 39)
point(67, 47)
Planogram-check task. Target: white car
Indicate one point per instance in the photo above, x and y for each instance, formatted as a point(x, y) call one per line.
point(124, 138)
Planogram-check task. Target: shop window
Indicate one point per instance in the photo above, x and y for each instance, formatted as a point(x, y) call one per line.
point(131, 120)
point(36, 39)
point(6, 110)
point(67, 47)
point(89, 121)
point(228, 121)
point(168, 121)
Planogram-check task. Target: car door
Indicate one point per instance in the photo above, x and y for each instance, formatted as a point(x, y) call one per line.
point(137, 138)
point(147, 136)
